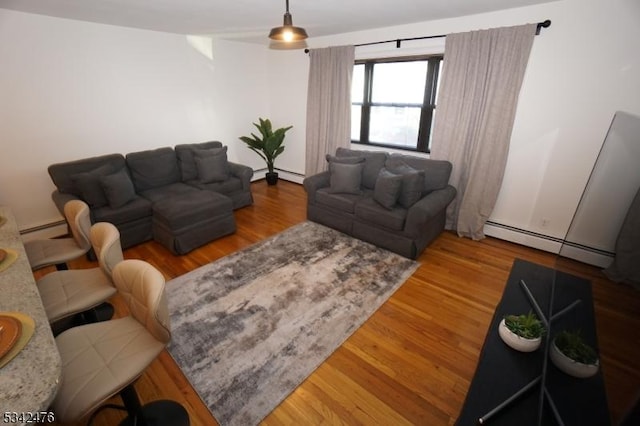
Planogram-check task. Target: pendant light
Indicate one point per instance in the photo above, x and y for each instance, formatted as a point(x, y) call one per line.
point(287, 32)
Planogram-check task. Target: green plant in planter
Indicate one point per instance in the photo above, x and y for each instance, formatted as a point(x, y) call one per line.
point(527, 326)
point(573, 346)
point(268, 145)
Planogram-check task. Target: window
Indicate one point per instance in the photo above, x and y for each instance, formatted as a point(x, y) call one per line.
point(393, 102)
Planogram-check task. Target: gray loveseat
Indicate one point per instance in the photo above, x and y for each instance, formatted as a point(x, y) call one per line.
point(394, 201)
point(182, 197)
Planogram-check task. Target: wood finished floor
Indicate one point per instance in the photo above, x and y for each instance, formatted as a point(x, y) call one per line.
point(413, 360)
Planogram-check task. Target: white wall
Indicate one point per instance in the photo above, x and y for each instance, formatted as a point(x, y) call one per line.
point(581, 70)
point(242, 96)
point(610, 191)
point(288, 105)
point(71, 89)
point(585, 70)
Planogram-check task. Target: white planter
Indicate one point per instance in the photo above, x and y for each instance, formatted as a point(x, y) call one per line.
point(571, 367)
point(516, 342)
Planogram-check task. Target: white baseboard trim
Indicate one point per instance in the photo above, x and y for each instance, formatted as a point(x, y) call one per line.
point(588, 255)
point(282, 174)
point(49, 230)
point(521, 236)
point(290, 176)
point(59, 229)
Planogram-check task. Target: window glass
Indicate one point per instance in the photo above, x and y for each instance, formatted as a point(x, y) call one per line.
point(433, 120)
point(399, 82)
point(395, 126)
point(355, 122)
point(357, 84)
point(393, 103)
point(440, 68)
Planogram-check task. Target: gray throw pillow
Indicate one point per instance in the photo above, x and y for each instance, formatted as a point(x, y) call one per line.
point(373, 162)
point(88, 184)
point(208, 152)
point(118, 188)
point(345, 178)
point(153, 168)
point(344, 160)
point(212, 164)
point(387, 189)
point(412, 182)
point(186, 161)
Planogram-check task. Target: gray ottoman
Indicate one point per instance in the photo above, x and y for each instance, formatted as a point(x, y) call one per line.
point(184, 222)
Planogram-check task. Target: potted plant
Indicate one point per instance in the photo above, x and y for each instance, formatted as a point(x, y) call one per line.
point(571, 354)
point(522, 332)
point(268, 145)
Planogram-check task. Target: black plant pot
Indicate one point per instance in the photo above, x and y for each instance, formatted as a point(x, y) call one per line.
point(272, 178)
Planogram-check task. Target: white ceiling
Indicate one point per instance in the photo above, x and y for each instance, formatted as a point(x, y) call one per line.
point(253, 18)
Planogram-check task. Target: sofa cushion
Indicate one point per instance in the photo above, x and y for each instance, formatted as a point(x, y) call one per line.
point(345, 178)
point(373, 162)
point(153, 169)
point(345, 160)
point(212, 164)
point(343, 202)
point(171, 190)
point(412, 182)
point(186, 161)
point(184, 210)
point(118, 188)
point(387, 188)
point(436, 172)
point(89, 187)
point(229, 186)
point(135, 209)
point(371, 211)
point(61, 173)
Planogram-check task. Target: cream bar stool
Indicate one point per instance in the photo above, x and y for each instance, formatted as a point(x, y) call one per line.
point(68, 293)
point(57, 251)
point(102, 359)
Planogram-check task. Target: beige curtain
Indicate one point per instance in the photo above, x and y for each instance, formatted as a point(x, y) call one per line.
point(483, 72)
point(328, 104)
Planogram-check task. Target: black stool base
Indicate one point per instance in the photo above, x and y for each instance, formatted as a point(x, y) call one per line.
point(102, 312)
point(160, 413)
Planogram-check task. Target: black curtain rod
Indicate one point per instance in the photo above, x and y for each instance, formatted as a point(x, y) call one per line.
point(398, 41)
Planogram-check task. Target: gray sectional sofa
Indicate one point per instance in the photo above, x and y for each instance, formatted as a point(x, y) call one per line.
point(394, 201)
point(182, 197)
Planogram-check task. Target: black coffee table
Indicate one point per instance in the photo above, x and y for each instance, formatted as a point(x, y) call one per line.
point(502, 371)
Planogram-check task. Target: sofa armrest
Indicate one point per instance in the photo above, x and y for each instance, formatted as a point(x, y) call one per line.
point(427, 208)
point(313, 183)
point(61, 198)
point(244, 173)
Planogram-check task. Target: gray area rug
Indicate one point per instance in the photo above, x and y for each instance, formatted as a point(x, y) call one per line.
point(250, 327)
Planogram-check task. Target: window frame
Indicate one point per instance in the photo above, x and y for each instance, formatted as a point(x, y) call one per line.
point(426, 108)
